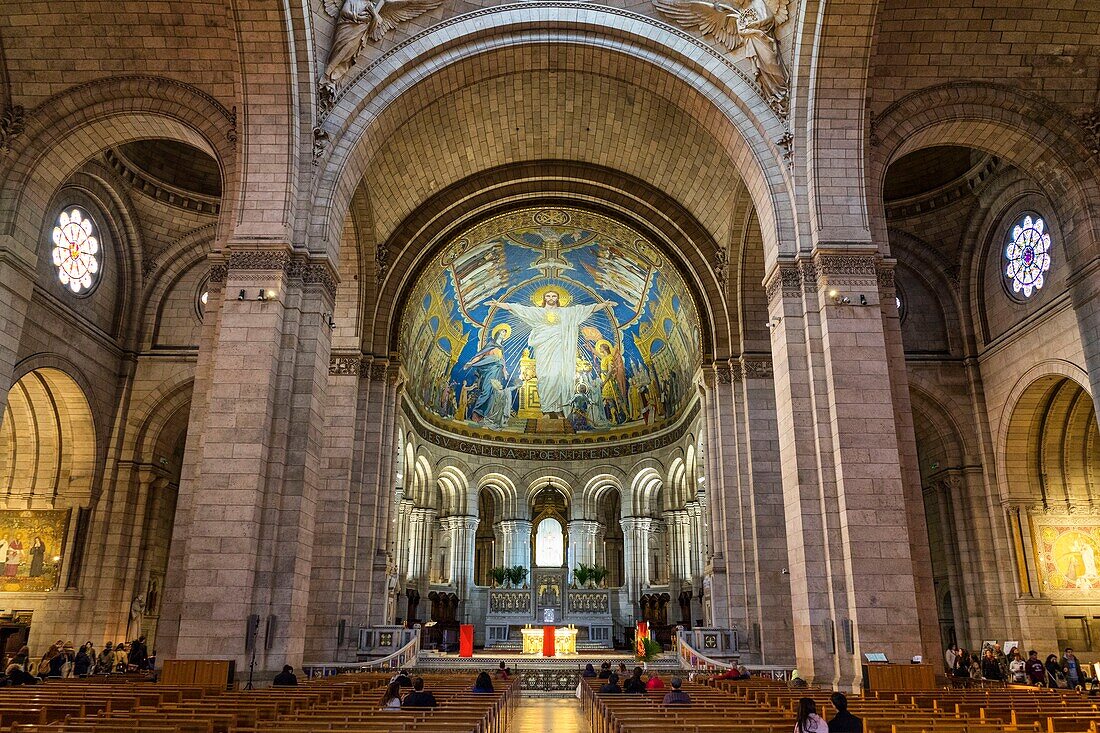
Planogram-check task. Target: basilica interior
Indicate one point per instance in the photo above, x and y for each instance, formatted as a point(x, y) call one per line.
point(324, 320)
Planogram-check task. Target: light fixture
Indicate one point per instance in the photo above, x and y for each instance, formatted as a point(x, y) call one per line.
point(773, 323)
point(262, 295)
point(862, 299)
point(241, 295)
point(326, 318)
point(839, 299)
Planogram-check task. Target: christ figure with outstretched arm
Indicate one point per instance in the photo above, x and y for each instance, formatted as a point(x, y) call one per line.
point(555, 330)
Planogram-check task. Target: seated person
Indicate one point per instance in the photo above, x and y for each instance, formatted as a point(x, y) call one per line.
point(402, 678)
point(635, 685)
point(391, 700)
point(605, 670)
point(655, 682)
point(418, 698)
point(676, 696)
point(612, 685)
point(733, 673)
point(502, 672)
point(843, 721)
point(589, 670)
point(483, 683)
point(285, 678)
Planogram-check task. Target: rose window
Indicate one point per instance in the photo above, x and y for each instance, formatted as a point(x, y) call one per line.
point(75, 250)
point(1027, 256)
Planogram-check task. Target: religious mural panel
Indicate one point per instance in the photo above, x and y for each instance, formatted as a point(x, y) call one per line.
point(550, 322)
point(1067, 551)
point(31, 544)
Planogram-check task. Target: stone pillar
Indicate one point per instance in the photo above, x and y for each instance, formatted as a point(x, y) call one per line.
point(1084, 289)
point(636, 531)
point(248, 505)
point(421, 534)
point(846, 506)
point(517, 542)
point(463, 532)
point(17, 278)
point(582, 544)
point(402, 515)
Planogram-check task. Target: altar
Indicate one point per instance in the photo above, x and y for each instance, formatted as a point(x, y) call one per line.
point(535, 642)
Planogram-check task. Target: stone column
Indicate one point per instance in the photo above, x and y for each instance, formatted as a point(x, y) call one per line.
point(846, 506)
point(463, 531)
point(248, 503)
point(582, 544)
point(402, 516)
point(421, 533)
point(636, 531)
point(17, 278)
point(1084, 289)
point(517, 542)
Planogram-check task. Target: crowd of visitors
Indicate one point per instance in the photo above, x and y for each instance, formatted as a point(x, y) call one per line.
point(62, 659)
point(993, 664)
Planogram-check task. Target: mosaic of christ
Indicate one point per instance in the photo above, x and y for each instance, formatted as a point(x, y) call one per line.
point(550, 321)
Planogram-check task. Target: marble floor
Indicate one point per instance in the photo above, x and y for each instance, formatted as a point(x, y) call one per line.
point(549, 715)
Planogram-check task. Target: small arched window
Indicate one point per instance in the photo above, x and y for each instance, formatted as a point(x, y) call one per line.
point(76, 250)
point(549, 544)
point(1027, 256)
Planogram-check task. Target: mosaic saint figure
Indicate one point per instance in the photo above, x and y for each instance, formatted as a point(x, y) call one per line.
point(38, 558)
point(555, 329)
point(493, 404)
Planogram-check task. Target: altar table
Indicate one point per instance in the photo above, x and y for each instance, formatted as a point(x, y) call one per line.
point(565, 640)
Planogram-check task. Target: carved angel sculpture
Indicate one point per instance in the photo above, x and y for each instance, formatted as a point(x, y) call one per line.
point(751, 24)
point(358, 20)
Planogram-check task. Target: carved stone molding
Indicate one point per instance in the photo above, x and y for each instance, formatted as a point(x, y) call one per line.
point(1090, 123)
point(159, 190)
point(846, 269)
point(886, 277)
point(786, 144)
point(270, 260)
point(786, 282)
point(378, 371)
point(280, 260)
point(756, 368)
point(344, 366)
point(218, 272)
point(13, 120)
point(722, 374)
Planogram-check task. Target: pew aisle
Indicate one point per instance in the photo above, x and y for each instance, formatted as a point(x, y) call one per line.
point(765, 706)
point(348, 703)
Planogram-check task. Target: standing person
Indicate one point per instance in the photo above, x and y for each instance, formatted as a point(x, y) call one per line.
point(82, 665)
point(106, 660)
point(1036, 672)
point(1018, 669)
point(843, 721)
point(122, 658)
point(1071, 667)
point(1055, 676)
point(951, 658)
point(139, 653)
point(991, 668)
point(808, 721)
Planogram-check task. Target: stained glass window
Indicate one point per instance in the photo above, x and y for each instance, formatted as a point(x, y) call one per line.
point(1027, 255)
point(75, 250)
point(202, 297)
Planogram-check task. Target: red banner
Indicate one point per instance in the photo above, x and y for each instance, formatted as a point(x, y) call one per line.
point(640, 635)
point(466, 640)
point(547, 641)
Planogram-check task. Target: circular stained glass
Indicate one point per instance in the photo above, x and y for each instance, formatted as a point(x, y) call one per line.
point(1027, 256)
point(75, 250)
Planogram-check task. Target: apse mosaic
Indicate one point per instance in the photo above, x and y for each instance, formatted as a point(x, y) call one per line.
point(550, 321)
point(1068, 555)
point(31, 549)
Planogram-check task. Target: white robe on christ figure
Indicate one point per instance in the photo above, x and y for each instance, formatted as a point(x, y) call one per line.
point(553, 341)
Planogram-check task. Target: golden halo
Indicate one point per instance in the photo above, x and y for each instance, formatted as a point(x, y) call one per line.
point(502, 328)
point(564, 298)
point(603, 342)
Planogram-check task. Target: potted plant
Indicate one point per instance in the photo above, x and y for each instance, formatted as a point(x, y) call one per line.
point(599, 574)
point(497, 575)
point(517, 574)
point(648, 650)
point(581, 575)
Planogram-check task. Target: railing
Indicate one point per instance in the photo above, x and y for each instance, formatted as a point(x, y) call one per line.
point(403, 657)
point(691, 658)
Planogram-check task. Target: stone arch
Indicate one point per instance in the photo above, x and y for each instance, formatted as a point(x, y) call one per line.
point(1049, 451)
point(501, 487)
point(180, 257)
point(1028, 131)
point(48, 443)
point(424, 491)
point(718, 94)
point(937, 432)
point(594, 489)
point(645, 490)
point(454, 489)
point(72, 127)
point(562, 482)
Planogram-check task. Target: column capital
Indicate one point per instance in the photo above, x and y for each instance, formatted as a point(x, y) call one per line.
point(583, 527)
point(640, 524)
point(423, 513)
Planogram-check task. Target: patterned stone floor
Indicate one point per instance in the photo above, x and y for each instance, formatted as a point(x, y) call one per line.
point(549, 715)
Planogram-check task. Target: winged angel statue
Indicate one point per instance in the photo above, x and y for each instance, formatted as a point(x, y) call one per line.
point(751, 24)
point(358, 20)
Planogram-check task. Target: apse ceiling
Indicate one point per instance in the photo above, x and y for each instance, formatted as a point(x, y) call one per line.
point(177, 164)
point(546, 323)
point(929, 169)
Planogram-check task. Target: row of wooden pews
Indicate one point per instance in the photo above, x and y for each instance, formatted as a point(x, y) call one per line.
point(770, 707)
point(348, 703)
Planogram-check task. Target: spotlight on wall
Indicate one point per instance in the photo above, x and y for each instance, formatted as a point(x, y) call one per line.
point(784, 571)
point(241, 295)
point(839, 299)
point(773, 323)
point(862, 299)
point(262, 295)
point(326, 318)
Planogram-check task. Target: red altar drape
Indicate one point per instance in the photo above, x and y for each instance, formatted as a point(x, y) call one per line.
point(547, 641)
point(466, 640)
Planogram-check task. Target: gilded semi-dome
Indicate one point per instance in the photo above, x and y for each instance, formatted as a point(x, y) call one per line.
point(546, 322)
